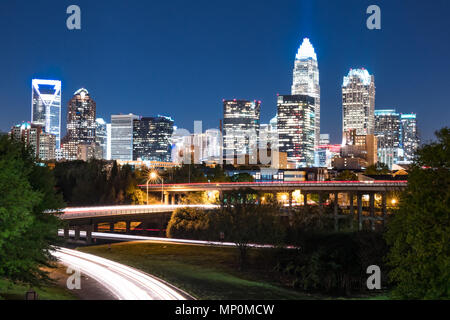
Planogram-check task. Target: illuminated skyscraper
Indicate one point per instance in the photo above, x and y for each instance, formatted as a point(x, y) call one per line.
point(152, 138)
point(240, 127)
point(81, 123)
point(46, 107)
point(358, 103)
point(387, 131)
point(101, 136)
point(122, 136)
point(409, 136)
point(296, 128)
point(306, 80)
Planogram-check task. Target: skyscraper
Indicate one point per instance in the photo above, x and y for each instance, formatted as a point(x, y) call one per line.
point(152, 138)
point(387, 131)
point(122, 136)
point(296, 128)
point(46, 106)
point(358, 103)
point(306, 79)
point(240, 127)
point(101, 136)
point(409, 136)
point(81, 123)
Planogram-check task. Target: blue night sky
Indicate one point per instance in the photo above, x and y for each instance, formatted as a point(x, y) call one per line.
point(181, 58)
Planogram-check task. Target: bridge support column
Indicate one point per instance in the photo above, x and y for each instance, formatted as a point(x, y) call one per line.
point(172, 199)
point(77, 233)
point(89, 234)
point(336, 206)
point(305, 199)
point(320, 203)
point(128, 226)
point(95, 227)
point(352, 209)
point(359, 201)
point(66, 233)
point(166, 198)
point(372, 210)
point(383, 207)
point(111, 226)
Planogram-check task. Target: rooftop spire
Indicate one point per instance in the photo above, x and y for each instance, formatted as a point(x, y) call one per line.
point(306, 51)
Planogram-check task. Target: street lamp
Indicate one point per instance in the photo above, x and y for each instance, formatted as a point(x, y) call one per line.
point(154, 176)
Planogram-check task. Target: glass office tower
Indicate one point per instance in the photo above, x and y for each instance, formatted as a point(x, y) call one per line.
point(101, 136)
point(152, 138)
point(46, 107)
point(358, 103)
point(409, 136)
point(81, 125)
point(122, 137)
point(296, 128)
point(387, 131)
point(306, 79)
point(240, 127)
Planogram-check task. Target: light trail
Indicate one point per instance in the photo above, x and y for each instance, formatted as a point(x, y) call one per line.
point(124, 282)
point(125, 237)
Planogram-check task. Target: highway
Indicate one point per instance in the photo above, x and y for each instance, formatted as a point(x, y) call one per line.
point(124, 282)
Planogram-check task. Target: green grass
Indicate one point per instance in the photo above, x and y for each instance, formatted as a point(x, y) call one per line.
point(203, 271)
point(12, 291)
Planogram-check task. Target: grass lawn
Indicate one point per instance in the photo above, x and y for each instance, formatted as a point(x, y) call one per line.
point(11, 291)
point(203, 271)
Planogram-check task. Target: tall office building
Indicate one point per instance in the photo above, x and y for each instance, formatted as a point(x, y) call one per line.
point(81, 124)
point(409, 136)
point(358, 103)
point(296, 128)
point(387, 131)
point(306, 79)
point(152, 138)
point(240, 127)
point(101, 136)
point(43, 144)
point(46, 107)
point(122, 136)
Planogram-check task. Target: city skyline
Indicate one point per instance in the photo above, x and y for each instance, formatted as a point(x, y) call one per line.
point(203, 97)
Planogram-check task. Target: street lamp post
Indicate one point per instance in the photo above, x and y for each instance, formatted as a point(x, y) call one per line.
point(154, 176)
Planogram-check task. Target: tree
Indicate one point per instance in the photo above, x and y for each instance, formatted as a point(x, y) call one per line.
point(377, 169)
point(419, 232)
point(244, 221)
point(242, 177)
point(347, 175)
point(28, 223)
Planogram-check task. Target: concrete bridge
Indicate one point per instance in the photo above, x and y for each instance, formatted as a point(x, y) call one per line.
point(88, 218)
point(371, 196)
point(371, 207)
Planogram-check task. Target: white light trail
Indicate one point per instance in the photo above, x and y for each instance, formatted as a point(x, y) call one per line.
point(123, 282)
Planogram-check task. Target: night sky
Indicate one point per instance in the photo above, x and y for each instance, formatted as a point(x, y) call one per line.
point(181, 58)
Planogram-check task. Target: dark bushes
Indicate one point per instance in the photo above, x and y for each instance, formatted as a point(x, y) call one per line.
point(192, 223)
point(334, 263)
